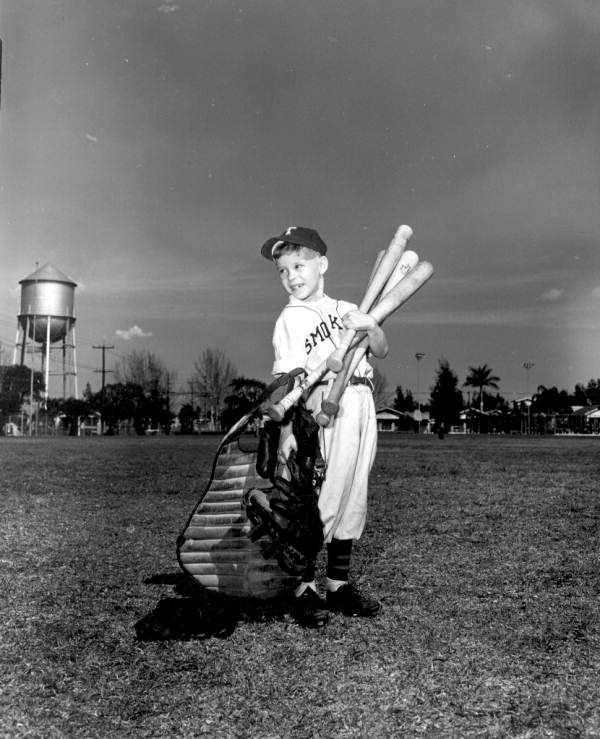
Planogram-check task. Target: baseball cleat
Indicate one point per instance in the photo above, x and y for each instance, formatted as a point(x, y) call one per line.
point(310, 610)
point(351, 602)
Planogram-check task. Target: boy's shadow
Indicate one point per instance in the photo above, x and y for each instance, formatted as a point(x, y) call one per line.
point(199, 614)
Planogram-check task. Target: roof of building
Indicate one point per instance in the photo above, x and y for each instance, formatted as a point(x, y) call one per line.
point(389, 414)
point(48, 273)
point(588, 411)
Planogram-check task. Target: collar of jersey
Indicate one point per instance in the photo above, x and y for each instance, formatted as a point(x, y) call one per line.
point(308, 303)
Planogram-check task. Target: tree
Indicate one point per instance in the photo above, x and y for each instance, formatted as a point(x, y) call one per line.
point(15, 386)
point(588, 395)
point(446, 400)
point(143, 368)
point(481, 378)
point(381, 394)
point(70, 410)
point(212, 377)
point(550, 400)
point(245, 396)
point(593, 391)
point(404, 402)
point(187, 415)
point(121, 402)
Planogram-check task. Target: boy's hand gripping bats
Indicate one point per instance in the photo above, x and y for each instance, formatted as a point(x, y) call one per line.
point(393, 297)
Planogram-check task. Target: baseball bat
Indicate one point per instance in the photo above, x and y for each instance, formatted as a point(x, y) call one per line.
point(277, 411)
point(379, 278)
point(402, 291)
point(331, 404)
point(407, 262)
point(390, 302)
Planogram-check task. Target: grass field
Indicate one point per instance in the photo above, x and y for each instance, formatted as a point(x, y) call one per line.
point(483, 552)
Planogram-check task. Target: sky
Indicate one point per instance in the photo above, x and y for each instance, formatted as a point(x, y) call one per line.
point(149, 147)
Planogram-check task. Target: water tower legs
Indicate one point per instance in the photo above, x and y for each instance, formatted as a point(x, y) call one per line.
point(26, 346)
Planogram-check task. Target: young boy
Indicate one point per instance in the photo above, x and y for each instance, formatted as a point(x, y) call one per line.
point(306, 332)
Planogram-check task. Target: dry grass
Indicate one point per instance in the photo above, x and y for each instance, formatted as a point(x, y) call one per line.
point(483, 551)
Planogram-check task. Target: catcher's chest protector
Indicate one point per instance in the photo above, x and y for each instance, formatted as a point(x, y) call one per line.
point(215, 547)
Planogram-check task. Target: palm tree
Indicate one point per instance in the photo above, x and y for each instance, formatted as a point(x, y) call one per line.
point(480, 378)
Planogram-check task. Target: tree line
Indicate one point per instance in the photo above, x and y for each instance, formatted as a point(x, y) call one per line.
point(141, 398)
point(143, 395)
point(446, 402)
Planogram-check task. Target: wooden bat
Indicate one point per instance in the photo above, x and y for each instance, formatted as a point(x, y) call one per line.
point(278, 411)
point(402, 291)
point(407, 262)
point(331, 404)
point(390, 302)
point(379, 278)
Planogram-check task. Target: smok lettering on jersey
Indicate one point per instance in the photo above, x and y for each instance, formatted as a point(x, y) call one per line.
point(322, 332)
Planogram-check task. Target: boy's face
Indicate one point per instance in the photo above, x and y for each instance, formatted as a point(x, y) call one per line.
point(302, 273)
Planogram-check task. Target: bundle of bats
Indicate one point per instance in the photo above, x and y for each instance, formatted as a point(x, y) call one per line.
point(396, 276)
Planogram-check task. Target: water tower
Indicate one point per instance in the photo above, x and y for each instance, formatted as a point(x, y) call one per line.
point(46, 326)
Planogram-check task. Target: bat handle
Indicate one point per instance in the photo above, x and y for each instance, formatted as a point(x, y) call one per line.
point(277, 411)
point(335, 360)
point(331, 405)
point(327, 412)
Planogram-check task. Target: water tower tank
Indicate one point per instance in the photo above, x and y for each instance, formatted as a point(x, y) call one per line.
point(47, 298)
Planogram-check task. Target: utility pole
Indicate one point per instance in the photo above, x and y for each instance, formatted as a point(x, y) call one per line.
point(104, 371)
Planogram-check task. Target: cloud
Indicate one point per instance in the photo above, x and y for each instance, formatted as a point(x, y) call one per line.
point(168, 7)
point(596, 292)
point(552, 295)
point(89, 137)
point(135, 332)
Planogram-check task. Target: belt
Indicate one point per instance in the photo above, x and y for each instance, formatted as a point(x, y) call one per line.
point(354, 380)
point(361, 381)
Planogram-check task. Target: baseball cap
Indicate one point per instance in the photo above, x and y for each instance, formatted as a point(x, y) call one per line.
point(299, 235)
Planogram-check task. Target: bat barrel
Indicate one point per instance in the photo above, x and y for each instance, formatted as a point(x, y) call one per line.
point(329, 407)
point(323, 419)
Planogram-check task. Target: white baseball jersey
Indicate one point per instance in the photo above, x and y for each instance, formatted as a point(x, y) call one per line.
point(305, 335)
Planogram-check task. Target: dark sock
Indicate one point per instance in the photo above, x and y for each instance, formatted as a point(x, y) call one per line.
point(338, 559)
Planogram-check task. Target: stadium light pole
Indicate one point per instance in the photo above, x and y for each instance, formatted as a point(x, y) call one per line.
point(528, 366)
point(419, 356)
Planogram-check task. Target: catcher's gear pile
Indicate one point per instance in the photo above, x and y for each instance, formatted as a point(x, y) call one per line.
point(246, 537)
point(286, 516)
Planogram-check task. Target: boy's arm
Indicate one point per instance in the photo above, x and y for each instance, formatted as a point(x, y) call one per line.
point(287, 443)
point(287, 440)
point(359, 321)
